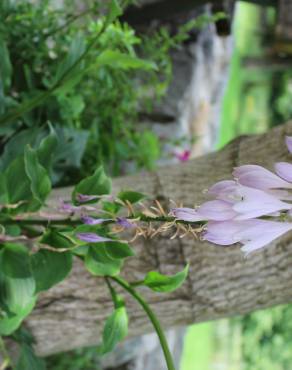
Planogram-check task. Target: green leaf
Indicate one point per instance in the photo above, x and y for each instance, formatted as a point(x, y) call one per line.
point(16, 294)
point(99, 262)
point(47, 149)
point(69, 65)
point(114, 12)
point(17, 182)
point(3, 189)
point(40, 181)
point(97, 184)
point(115, 329)
point(118, 250)
point(15, 261)
point(28, 360)
point(165, 283)
point(5, 65)
point(131, 196)
point(49, 267)
point(117, 59)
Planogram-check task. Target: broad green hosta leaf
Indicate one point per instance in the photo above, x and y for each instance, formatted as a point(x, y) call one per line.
point(17, 182)
point(17, 287)
point(115, 329)
point(99, 262)
point(49, 267)
point(165, 283)
point(131, 196)
point(118, 250)
point(40, 183)
point(15, 261)
point(97, 184)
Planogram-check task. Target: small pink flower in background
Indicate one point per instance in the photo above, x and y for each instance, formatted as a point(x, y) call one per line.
point(183, 156)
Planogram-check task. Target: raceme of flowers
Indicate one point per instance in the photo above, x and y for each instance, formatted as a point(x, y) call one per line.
point(253, 209)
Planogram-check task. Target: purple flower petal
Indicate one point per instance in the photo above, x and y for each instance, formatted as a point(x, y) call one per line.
point(186, 214)
point(284, 170)
point(288, 140)
point(253, 234)
point(93, 221)
point(125, 223)
point(259, 177)
point(261, 234)
point(256, 203)
point(92, 238)
point(216, 210)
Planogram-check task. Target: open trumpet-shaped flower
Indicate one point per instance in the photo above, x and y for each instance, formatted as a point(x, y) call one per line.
point(253, 234)
point(237, 203)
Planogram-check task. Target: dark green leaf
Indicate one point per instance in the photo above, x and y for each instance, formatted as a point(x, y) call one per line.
point(165, 283)
point(15, 261)
point(117, 59)
point(114, 12)
point(47, 149)
point(16, 294)
point(40, 181)
point(115, 329)
point(18, 184)
point(49, 268)
point(100, 263)
point(131, 196)
point(118, 250)
point(3, 189)
point(28, 360)
point(97, 184)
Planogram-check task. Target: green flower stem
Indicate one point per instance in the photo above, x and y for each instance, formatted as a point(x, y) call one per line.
point(76, 222)
point(152, 317)
point(6, 358)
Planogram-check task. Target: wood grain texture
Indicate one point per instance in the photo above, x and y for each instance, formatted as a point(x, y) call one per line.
point(221, 282)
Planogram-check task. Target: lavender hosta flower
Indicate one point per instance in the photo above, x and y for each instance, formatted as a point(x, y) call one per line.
point(244, 203)
point(71, 209)
point(254, 203)
point(94, 221)
point(121, 221)
point(288, 140)
point(253, 234)
point(92, 238)
point(218, 210)
point(258, 177)
point(284, 170)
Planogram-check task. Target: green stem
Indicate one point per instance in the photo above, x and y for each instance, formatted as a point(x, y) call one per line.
point(152, 317)
point(6, 358)
point(76, 222)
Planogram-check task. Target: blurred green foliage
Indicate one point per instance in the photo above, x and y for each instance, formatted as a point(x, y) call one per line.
point(54, 64)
